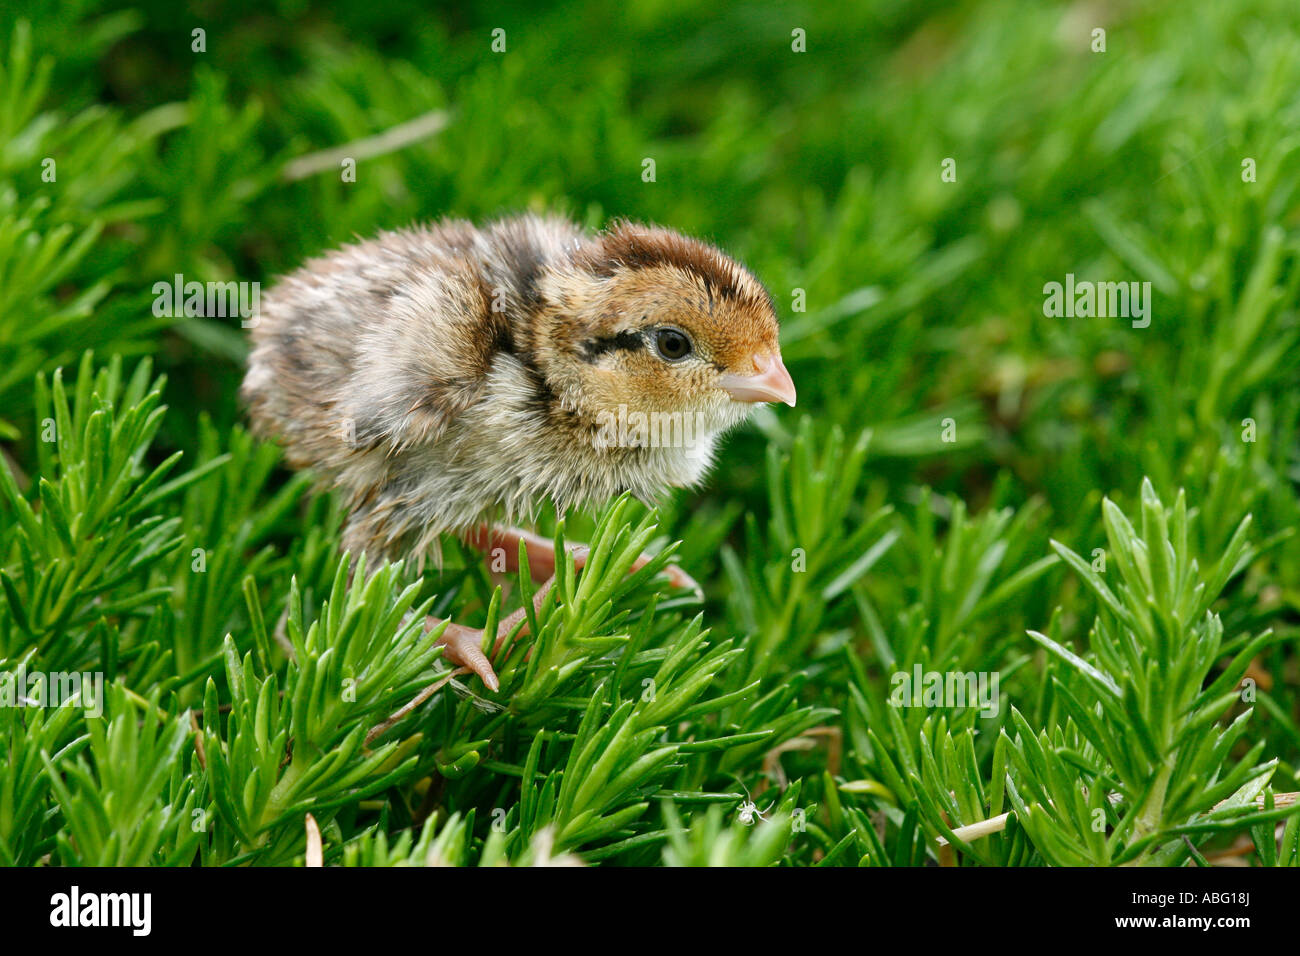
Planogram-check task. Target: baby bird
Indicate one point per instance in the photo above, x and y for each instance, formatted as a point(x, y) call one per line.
point(449, 378)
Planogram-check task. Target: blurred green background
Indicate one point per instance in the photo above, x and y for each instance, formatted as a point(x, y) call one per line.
point(821, 170)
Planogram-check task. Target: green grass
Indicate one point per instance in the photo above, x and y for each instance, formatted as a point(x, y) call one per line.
point(1099, 516)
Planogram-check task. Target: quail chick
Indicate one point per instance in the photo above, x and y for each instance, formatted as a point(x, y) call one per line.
point(449, 378)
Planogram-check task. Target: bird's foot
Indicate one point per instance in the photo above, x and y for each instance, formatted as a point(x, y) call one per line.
point(463, 646)
point(542, 557)
point(676, 576)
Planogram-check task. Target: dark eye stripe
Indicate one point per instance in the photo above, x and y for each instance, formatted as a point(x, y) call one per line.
point(627, 341)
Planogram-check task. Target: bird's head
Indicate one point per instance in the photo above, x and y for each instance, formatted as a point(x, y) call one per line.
point(650, 321)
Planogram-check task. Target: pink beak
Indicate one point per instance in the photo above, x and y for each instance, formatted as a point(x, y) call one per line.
point(771, 384)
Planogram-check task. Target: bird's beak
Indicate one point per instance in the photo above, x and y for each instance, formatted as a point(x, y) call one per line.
point(771, 384)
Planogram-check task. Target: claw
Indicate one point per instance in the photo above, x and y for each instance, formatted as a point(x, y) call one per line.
point(541, 554)
point(463, 646)
point(680, 579)
point(676, 576)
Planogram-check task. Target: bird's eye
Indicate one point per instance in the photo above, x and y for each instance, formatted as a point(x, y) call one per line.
point(672, 344)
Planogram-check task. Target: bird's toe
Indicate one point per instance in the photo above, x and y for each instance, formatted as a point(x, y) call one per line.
point(463, 646)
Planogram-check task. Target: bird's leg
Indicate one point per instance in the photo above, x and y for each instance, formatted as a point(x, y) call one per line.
point(542, 557)
point(464, 645)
